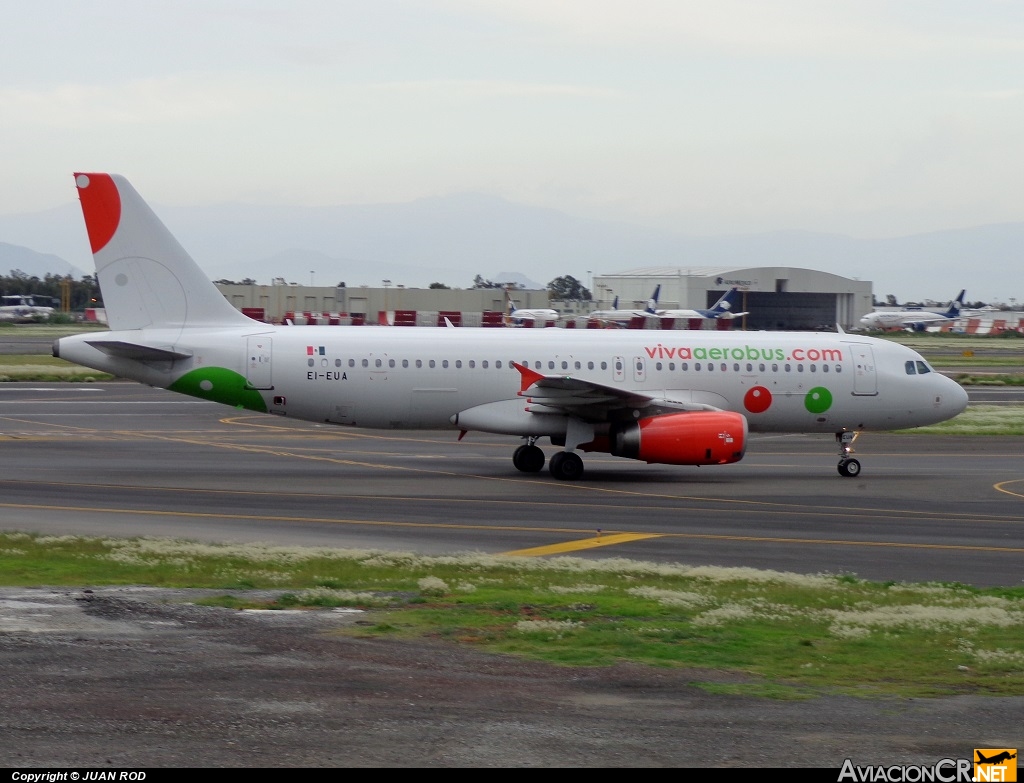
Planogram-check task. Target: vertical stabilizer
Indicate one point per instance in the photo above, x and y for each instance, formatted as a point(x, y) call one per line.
point(146, 277)
point(652, 303)
point(955, 305)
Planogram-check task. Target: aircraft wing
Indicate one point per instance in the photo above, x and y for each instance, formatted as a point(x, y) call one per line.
point(565, 395)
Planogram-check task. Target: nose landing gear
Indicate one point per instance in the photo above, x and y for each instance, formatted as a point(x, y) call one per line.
point(848, 466)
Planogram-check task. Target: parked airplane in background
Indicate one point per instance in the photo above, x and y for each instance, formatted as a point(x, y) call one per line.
point(25, 308)
point(680, 398)
point(915, 319)
point(720, 309)
point(518, 315)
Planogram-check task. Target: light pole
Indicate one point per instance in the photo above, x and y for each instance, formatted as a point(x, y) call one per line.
point(387, 285)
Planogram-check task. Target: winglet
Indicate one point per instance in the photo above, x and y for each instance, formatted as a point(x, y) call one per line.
point(528, 377)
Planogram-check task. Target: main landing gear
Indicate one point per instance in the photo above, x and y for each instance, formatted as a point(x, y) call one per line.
point(529, 458)
point(848, 466)
point(564, 465)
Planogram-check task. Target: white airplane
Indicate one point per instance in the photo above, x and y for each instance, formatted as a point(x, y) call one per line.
point(517, 316)
point(24, 308)
point(720, 309)
point(685, 398)
point(915, 319)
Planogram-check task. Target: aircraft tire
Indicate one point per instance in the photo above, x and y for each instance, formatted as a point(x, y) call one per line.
point(566, 466)
point(850, 468)
point(528, 459)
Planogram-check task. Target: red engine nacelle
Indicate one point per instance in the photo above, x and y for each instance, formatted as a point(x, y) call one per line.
point(697, 438)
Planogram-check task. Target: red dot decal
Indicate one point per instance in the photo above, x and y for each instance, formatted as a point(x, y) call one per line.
point(757, 400)
point(101, 206)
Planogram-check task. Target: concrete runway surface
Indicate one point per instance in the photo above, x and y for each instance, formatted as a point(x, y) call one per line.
point(123, 459)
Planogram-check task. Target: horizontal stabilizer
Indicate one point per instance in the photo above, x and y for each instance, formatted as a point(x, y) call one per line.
point(124, 350)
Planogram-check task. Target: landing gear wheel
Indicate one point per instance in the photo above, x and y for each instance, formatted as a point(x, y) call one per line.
point(849, 468)
point(566, 466)
point(528, 459)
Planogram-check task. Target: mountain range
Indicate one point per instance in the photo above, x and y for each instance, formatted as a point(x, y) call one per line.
point(451, 239)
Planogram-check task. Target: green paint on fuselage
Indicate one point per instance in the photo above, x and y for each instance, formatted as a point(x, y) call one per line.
point(219, 385)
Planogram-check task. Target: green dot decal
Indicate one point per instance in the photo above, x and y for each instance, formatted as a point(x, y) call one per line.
point(818, 400)
point(220, 385)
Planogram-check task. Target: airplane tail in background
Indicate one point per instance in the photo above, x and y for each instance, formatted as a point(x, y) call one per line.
point(723, 307)
point(955, 306)
point(724, 304)
point(652, 303)
point(146, 277)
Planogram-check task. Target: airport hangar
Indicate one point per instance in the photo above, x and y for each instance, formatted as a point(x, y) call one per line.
point(775, 297)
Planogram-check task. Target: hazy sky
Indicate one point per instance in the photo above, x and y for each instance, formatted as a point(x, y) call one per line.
point(862, 117)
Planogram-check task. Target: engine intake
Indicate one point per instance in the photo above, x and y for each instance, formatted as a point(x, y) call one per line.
point(697, 438)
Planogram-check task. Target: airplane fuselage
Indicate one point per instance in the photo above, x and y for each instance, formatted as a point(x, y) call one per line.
point(411, 378)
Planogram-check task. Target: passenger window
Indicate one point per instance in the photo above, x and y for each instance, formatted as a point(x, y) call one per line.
point(310, 362)
point(498, 364)
point(376, 362)
point(472, 364)
point(839, 368)
point(405, 362)
point(484, 364)
point(684, 366)
point(696, 366)
point(671, 366)
point(604, 365)
point(551, 365)
point(366, 362)
point(565, 365)
point(814, 368)
point(775, 368)
point(444, 363)
point(590, 365)
point(657, 366)
point(419, 363)
point(799, 368)
point(432, 364)
point(736, 367)
point(824, 368)
point(337, 362)
point(787, 367)
point(391, 362)
point(579, 365)
point(351, 362)
point(458, 364)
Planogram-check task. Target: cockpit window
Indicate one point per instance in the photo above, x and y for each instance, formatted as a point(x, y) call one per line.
point(917, 367)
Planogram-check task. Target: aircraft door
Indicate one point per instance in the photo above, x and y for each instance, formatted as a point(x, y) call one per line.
point(865, 380)
point(258, 352)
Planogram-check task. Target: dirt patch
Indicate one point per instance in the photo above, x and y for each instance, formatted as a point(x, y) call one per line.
point(140, 677)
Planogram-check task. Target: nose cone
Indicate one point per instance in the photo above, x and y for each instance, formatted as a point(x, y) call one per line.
point(955, 399)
